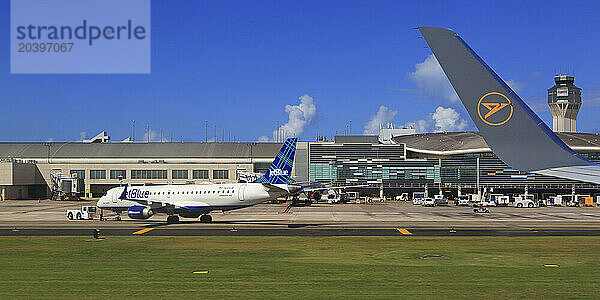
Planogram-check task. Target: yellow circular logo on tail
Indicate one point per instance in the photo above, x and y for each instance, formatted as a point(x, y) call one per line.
point(494, 108)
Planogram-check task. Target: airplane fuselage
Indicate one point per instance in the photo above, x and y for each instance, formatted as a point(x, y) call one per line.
point(189, 200)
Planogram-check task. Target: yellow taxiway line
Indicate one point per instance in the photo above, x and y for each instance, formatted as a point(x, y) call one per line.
point(143, 231)
point(404, 231)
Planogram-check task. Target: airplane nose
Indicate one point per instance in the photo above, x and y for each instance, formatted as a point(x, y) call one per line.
point(101, 202)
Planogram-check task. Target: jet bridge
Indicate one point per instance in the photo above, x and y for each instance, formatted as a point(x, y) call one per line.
point(66, 187)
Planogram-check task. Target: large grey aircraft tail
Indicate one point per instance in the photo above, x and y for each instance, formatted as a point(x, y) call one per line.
point(510, 128)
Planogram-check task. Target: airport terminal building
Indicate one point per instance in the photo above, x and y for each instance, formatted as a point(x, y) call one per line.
point(455, 162)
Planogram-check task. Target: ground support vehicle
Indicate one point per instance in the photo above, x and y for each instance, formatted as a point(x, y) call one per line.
point(84, 213)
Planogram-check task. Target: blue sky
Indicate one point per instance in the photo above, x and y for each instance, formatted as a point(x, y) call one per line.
point(237, 64)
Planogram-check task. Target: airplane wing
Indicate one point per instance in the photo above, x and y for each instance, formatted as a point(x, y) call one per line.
point(510, 128)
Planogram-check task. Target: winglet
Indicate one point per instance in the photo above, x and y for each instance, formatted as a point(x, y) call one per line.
point(510, 128)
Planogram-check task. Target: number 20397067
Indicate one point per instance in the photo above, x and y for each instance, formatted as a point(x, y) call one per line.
point(45, 47)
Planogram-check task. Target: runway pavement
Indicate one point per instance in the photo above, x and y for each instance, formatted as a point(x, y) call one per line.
point(29, 218)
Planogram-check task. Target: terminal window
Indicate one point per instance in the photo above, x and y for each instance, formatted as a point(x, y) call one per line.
point(180, 174)
point(114, 174)
point(148, 174)
point(80, 173)
point(220, 174)
point(97, 174)
point(200, 174)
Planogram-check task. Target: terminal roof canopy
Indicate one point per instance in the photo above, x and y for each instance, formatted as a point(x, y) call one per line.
point(138, 150)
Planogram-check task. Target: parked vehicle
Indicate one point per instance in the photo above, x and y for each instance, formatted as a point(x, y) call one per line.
point(352, 196)
point(487, 203)
point(573, 200)
point(480, 209)
point(402, 197)
point(555, 201)
point(500, 200)
point(525, 201)
point(462, 200)
point(428, 202)
point(417, 201)
point(84, 213)
point(440, 200)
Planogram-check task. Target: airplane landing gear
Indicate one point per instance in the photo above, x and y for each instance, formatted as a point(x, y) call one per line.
point(206, 218)
point(173, 219)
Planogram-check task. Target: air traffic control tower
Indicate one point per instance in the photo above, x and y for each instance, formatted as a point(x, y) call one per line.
point(564, 99)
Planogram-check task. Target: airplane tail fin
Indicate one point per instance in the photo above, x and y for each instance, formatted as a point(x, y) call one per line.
point(510, 128)
point(281, 169)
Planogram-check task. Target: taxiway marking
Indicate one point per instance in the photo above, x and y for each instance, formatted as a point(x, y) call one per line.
point(142, 231)
point(404, 231)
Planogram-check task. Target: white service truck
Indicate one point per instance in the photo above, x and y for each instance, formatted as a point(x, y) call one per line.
point(525, 201)
point(462, 200)
point(84, 213)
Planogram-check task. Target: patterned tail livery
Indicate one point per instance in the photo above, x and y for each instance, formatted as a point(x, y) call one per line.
point(280, 170)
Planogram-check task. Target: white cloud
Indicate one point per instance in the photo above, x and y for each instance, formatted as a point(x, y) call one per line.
point(299, 117)
point(433, 83)
point(443, 119)
point(154, 137)
point(431, 80)
point(82, 136)
point(448, 119)
point(384, 115)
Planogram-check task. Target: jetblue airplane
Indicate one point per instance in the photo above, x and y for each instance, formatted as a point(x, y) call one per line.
point(510, 128)
point(193, 201)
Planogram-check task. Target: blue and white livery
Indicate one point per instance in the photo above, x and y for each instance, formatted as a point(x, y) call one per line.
point(193, 201)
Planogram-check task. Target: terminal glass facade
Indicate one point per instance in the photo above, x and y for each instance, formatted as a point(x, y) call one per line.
point(180, 174)
point(148, 174)
point(97, 174)
point(200, 174)
point(220, 174)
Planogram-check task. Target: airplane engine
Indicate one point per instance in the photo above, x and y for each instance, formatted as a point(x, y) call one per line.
point(140, 212)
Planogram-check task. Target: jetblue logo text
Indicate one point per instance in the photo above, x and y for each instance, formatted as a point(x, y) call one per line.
point(85, 31)
point(135, 193)
point(279, 172)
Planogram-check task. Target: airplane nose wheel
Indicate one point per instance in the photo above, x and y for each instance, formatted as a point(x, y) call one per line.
point(206, 218)
point(173, 219)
